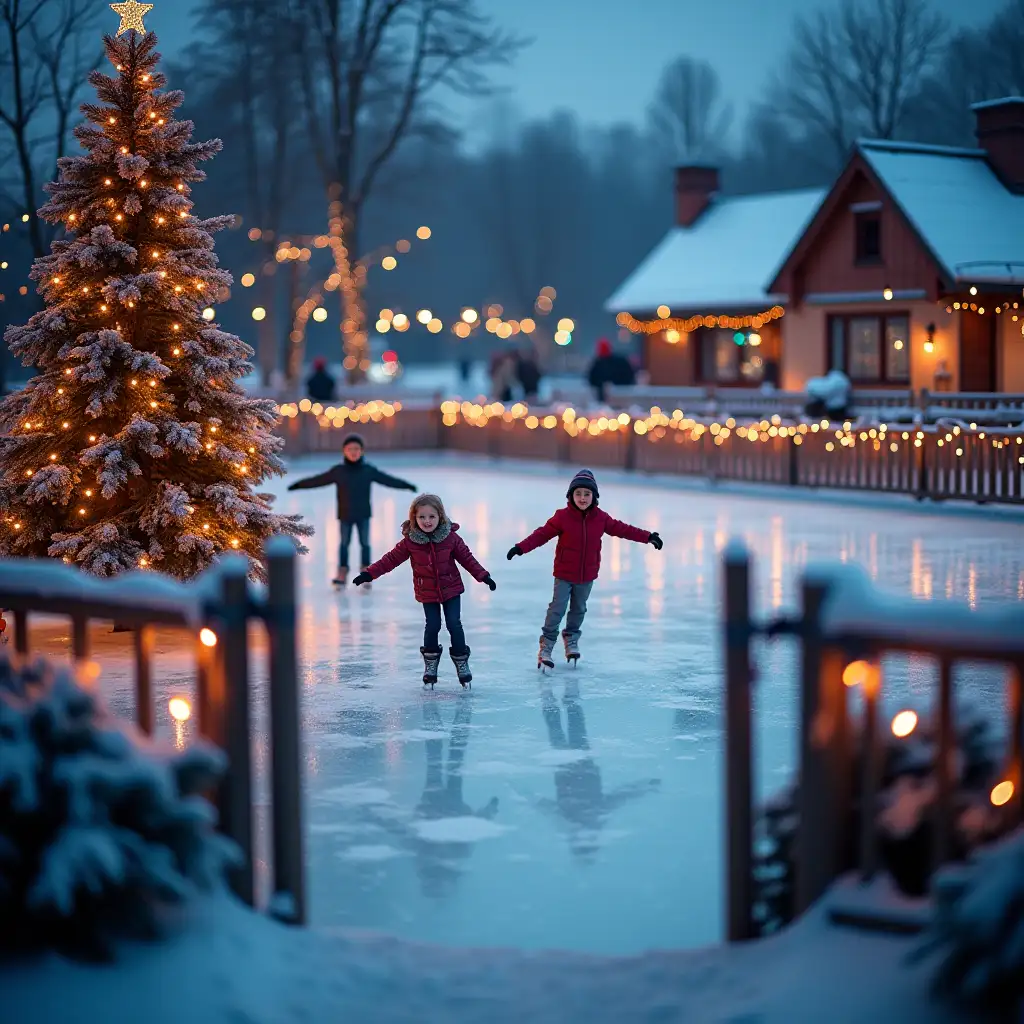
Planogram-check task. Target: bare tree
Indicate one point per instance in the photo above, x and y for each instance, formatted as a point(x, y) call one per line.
point(687, 115)
point(860, 72)
point(373, 73)
point(45, 56)
point(247, 68)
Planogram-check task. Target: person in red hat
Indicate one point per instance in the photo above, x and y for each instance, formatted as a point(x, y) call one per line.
point(609, 368)
point(579, 527)
point(320, 386)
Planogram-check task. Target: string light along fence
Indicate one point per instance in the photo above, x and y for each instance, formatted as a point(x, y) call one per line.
point(939, 461)
point(844, 628)
point(216, 609)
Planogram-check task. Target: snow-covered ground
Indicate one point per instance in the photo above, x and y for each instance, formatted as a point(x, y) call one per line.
point(581, 810)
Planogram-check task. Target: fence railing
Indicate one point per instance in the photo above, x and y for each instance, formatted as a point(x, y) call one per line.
point(844, 623)
point(215, 610)
point(949, 460)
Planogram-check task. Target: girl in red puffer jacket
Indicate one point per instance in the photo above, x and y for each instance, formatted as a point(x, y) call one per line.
point(431, 543)
point(579, 528)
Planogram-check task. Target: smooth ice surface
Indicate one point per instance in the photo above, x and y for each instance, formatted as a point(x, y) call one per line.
point(579, 810)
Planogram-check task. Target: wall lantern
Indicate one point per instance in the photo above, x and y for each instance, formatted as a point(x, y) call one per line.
point(929, 341)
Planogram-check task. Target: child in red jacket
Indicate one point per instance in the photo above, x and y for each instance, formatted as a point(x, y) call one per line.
point(431, 543)
point(579, 528)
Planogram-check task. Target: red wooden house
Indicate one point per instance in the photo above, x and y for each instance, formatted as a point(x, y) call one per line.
point(911, 271)
point(908, 272)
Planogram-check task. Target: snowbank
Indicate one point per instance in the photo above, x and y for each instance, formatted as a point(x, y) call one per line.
point(230, 965)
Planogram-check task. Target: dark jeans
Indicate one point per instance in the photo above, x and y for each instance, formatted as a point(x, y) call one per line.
point(362, 526)
point(452, 619)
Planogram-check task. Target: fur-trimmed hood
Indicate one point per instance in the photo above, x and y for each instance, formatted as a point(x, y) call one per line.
point(417, 536)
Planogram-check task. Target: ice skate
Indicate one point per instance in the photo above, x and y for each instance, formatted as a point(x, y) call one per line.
point(572, 648)
point(431, 659)
point(461, 663)
point(341, 578)
point(544, 659)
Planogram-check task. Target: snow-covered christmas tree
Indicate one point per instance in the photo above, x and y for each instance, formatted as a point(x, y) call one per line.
point(135, 445)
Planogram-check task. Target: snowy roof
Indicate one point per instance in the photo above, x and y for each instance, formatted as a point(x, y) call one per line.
point(973, 225)
point(724, 260)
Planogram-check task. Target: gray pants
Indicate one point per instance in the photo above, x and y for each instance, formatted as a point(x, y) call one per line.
point(575, 596)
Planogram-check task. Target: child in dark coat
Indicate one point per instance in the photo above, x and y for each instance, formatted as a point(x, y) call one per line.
point(352, 480)
point(431, 543)
point(579, 528)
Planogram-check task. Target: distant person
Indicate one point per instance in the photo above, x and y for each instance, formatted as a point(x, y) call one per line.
point(609, 368)
point(352, 481)
point(503, 375)
point(465, 370)
point(528, 373)
point(320, 386)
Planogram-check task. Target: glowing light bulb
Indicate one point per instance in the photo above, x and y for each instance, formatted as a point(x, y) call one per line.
point(207, 637)
point(259, 313)
point(1001, 793)
point(389, 263)
point(248, 280)
point(904, 723)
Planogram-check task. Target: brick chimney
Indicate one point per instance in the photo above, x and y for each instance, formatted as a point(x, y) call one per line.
point(999, 126)
point(695, 186)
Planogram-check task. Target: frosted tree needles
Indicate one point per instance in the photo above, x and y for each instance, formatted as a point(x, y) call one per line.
point(135, 446)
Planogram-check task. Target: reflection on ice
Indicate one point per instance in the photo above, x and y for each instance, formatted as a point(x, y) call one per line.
point(442, 829)
point(581, 803)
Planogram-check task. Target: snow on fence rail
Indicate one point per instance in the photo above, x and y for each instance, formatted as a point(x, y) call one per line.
point(951, 459)
point(844, 627)
point(216, 609)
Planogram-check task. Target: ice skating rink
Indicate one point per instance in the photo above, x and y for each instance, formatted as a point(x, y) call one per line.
point(581, 809)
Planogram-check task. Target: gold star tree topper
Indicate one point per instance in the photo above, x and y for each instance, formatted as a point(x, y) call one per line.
point(131, 13)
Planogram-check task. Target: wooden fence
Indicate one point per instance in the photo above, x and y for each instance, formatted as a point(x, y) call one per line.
point(215, 609)
point(844, 622)
point(937, 461)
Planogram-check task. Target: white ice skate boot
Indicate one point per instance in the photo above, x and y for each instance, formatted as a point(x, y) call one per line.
point(572, 648)
point(544, 659)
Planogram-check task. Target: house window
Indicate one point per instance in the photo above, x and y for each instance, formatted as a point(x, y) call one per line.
point(868, 235)
point(722, 361)
point(870, 348)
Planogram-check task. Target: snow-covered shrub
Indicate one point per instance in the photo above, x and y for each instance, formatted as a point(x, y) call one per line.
point(100, 831)
point(906, 799)
point(978, 929)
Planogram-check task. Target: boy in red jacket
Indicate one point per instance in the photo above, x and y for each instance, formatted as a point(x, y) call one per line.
point(579, 528)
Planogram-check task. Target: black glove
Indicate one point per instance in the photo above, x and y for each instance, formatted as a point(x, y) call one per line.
point(490, 583)
point(363, 577)
point(413, 488)
point(656, 541)
point(513, 551)
point(292, 487)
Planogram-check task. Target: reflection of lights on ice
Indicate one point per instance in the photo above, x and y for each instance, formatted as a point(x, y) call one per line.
point(180, 709)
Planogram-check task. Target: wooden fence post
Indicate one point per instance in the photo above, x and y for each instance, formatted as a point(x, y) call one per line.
point(236, 789)
point(739, 787)
point(816, 842)
point(144, 643)
point(945, 757)
point(289, 891)
point(80, 638)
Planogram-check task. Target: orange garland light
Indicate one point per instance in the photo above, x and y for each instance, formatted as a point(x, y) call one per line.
point(690, 324)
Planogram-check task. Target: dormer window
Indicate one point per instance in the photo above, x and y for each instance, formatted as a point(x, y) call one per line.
point(868, 235)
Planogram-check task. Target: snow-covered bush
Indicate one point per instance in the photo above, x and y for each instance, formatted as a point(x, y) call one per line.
point(906, 799)
point(100, 831)
point(978, 928)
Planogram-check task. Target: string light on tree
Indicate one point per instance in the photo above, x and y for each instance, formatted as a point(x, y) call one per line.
point(110, 470)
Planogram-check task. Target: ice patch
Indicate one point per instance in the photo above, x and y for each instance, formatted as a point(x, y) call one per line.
point(340, 741)
point(329, 829)
point(369, 854)
point(458, 830)
point(501, 768)
point(560, 757)
point(411, 735)
point(358, 794)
